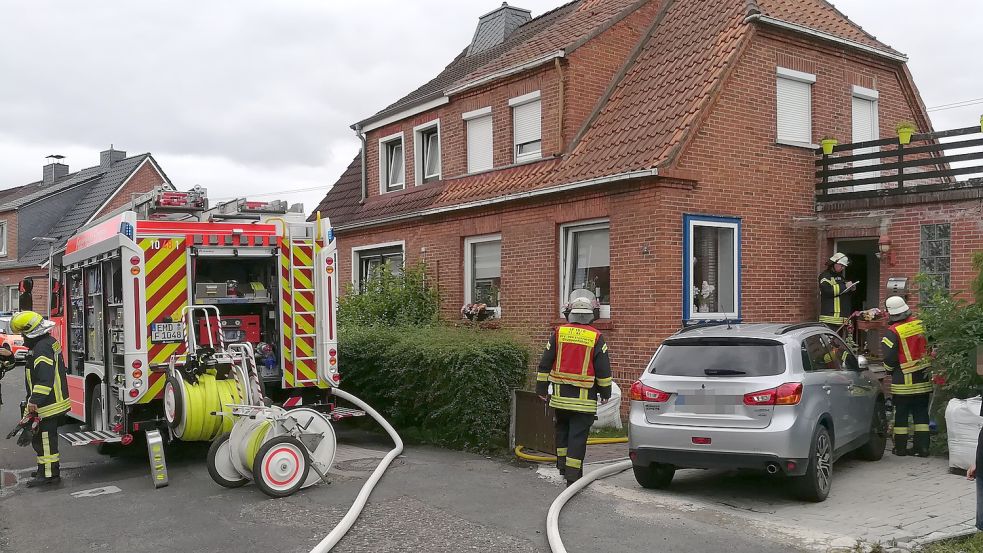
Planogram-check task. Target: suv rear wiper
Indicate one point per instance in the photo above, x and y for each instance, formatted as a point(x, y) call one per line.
point(723, 372)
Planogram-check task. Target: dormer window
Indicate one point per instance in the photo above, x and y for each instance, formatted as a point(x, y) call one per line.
point(426, 145)
point(392, 163)
point(527, 126)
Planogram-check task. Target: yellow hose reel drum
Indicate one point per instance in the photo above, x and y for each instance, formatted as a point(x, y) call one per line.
point(188, 407)
point(281, 451)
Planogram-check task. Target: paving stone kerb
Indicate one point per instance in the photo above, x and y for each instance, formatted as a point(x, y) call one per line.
point(899, 502)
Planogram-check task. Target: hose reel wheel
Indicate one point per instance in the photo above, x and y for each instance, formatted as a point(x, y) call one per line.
point(319, 438)
point(175, 400)
point(281, 466)
point(220, 466)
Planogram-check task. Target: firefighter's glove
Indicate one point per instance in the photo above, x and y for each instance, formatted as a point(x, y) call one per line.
point(26, 428)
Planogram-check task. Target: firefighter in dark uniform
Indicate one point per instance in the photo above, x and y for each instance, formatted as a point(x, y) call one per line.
point(47, 391)
point(576, 363)
point(907, 357)
point(835, 294)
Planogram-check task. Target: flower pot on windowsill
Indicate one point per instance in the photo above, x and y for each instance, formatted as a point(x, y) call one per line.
point(828, 144)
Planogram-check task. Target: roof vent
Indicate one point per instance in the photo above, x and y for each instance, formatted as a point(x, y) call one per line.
point(55, 169)
point(496, 25)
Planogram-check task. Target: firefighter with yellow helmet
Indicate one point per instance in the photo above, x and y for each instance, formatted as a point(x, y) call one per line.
point(576, 363)
point(47, 391)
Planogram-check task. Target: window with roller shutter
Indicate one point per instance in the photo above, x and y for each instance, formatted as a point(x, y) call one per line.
point(794, 107)
point(527, 127)
point(479, 140)
point(865, 128)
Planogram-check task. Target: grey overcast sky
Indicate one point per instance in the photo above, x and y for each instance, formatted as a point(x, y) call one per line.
point(256, 97)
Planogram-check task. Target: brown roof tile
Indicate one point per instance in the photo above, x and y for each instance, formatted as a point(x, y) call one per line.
point(642, 124)
point(822, 16)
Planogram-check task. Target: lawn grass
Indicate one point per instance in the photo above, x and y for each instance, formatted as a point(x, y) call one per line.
point(609, 432)
point(969, 544)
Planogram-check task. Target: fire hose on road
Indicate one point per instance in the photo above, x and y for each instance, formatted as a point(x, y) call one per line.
point(553, 516)
point(339, 531)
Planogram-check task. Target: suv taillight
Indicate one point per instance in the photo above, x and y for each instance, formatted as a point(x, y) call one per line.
point(789, 393)
point(641, 392)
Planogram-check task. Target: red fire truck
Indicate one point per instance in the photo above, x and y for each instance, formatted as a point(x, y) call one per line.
point(122, 290)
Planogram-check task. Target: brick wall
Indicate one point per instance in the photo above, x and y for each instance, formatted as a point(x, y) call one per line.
point(586, 74)
point(737, 170)
point(145, 179)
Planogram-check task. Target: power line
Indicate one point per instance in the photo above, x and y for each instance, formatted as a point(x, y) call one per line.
point(954, 105)
point(279, 193)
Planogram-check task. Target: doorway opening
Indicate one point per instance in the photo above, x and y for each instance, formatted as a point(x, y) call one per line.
point(864, 268)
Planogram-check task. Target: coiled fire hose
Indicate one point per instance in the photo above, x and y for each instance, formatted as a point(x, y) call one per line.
point(200, 400)
point(553, 516)
point(348, 520)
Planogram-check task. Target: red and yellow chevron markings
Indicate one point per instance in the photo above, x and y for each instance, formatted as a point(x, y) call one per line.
point(166, 264)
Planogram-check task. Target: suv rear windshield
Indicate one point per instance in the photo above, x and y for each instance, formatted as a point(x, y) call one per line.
point(719, 357)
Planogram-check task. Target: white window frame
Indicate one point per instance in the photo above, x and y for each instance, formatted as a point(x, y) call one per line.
point(521, 101)
point(693, 221)
point(468, 117)
point(13, 296)
point(357, 261)
point(800, 76)
point(468, 262)
point(565, 253)
point(419, 146)
point(3, 238)
point(384, 165)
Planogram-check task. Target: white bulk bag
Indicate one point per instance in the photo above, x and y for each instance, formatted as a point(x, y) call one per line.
point(609, 414)
point(963, 423)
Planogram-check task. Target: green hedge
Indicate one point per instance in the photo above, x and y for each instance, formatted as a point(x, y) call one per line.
point(442, 385)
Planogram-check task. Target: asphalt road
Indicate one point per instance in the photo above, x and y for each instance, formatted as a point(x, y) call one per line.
point(430, 500)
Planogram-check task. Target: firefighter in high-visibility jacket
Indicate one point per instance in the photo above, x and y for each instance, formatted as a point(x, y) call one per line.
point(577, 365)
point(46, 381)
point(835, 293)
point(907, 357)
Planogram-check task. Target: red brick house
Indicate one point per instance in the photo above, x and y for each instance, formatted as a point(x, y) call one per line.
point(659, 152)
point(56, 207)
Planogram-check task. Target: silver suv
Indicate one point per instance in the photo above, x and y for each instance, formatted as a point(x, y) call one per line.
point(786, 399)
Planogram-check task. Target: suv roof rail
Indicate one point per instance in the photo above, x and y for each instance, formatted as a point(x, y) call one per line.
point(797, 326)
point(705, 324)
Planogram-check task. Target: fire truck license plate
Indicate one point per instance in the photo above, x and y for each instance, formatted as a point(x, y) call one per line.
point(167, 333)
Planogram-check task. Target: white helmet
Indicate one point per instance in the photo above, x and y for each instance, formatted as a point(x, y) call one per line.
point(896, 305)
point(840, 258)
point(582, 306)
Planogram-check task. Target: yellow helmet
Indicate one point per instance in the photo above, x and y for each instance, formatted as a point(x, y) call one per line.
point(29, 324)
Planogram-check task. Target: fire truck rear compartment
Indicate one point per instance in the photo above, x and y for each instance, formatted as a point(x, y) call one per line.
point(245, 290)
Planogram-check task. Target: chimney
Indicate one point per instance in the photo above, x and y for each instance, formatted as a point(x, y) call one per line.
point(110, 156)
point(495, 26)
point(55, 169)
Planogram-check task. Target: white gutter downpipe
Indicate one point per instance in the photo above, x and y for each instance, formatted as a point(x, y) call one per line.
point(365, 184)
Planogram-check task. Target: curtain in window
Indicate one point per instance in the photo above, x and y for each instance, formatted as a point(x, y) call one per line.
point(592, 262)
point(713, 270)
point(486, 271)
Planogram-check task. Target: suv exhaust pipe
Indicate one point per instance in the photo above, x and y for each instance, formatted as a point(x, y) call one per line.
point(772, 468)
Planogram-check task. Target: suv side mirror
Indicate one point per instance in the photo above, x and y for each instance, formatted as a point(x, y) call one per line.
point(862, 362)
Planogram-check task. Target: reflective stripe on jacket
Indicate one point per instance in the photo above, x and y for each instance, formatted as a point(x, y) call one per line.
point(576, 363)
point(834, 299)
point(906, 355)
point(46, 379)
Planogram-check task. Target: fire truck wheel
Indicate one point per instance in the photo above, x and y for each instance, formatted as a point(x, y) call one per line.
point(95, 421)
point(281, 466)
point(220, 466)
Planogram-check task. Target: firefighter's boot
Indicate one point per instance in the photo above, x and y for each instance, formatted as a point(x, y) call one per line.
point(922, 440)
point(41, 481)
point(900, 444)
